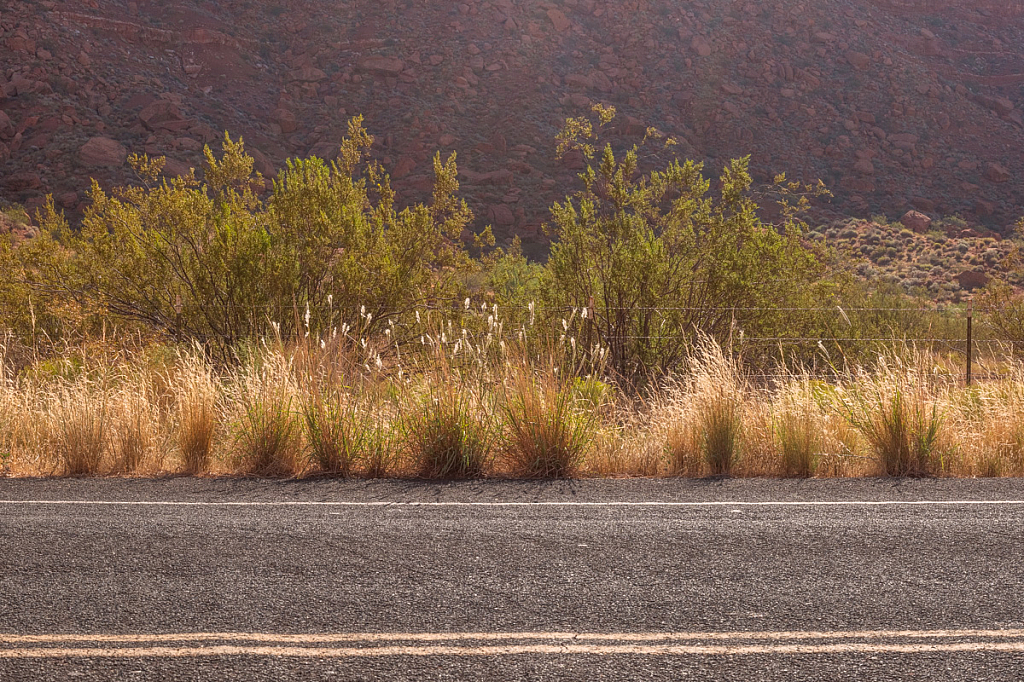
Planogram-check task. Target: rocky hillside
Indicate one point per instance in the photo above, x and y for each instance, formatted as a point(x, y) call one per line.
point(895, 104)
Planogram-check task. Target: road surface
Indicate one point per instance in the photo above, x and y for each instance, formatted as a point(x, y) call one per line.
point(186, 579)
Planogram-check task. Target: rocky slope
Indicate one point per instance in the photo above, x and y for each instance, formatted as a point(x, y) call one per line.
point(895, 104)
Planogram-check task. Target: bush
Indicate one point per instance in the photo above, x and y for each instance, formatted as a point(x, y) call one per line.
point(657, 258)
point(212, 261)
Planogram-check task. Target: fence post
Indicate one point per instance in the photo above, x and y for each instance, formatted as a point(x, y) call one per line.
point(970, 345)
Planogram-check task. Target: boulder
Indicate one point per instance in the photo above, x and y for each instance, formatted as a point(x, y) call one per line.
point(559, 20)
point(385, 66)
point(23, 182)
point(163, 115)
point(864, 167)
point(6, 126)
point(998, 173)
point(102, 152)
point(858, 60)
point(972, 279)
point(701, 46)
point(916, 221)
point(501, 215)
point(285, 119)
point(307, 74)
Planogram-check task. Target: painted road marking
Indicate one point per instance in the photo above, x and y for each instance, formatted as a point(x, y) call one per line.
point(516, 643)
point(377, 637)
point(837, 503)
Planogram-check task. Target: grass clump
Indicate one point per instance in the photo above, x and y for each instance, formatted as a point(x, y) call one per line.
point(799, 431)
point(79, 428)
point(196, 394)
point(134, 438)
point(337, 431)
point(900, 424)
point(267, 429)
point(447, 435)
point(548, 432)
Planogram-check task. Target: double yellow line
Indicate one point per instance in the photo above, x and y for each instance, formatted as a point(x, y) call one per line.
point(359, 645)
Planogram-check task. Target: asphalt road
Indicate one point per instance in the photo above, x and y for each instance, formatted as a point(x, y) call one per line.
point(185, 579)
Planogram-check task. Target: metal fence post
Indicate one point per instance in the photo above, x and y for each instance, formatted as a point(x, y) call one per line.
point(970, 345)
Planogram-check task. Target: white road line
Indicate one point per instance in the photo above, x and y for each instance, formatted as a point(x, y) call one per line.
point(391, 637)
point(809, 503)
point(506, 650)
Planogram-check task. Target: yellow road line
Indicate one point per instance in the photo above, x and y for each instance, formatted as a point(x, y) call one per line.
point(374, 637)
point(507, 650)
point(389, 637)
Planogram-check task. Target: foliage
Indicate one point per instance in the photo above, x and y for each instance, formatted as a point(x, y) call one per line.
point(210, 260)
point(656, 260)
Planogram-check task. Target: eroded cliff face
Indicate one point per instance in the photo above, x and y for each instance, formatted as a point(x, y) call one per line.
point(895, 104)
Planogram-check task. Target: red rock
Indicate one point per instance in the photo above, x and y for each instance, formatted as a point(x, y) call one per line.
point(916, 221)
point(307, 74)
point(701, 46)
point(173, 168)
point(285, 119)
point(20, 44)
point(984, 208)
point(923, 205)
point(501, 215)
point(864, 167)
point(6, 127)
point(995, 172)
point(261, 164)
point(559, 20)
point(972, 279)
point(498, 177)
point(385, 66)
point(903, 140)
point(102, 151)
point(404, 167)
point(858, 60)
point(163, 115)
point(23, 182)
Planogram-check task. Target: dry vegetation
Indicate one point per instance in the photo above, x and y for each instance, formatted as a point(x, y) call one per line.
point(463, 407)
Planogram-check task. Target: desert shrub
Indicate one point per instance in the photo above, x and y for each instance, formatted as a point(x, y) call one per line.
point(658, 258)
point(209, 260)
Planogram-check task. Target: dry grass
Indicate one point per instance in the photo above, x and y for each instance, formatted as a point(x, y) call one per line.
point(267, 424)
point(548, 428)
point(287, 411)
point(196, 394)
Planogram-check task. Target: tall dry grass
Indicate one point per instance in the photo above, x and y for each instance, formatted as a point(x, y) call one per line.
point(196, 396)
point(266, 424)
point(548, 427)
point(464, 406)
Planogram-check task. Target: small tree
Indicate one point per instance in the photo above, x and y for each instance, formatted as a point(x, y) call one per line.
point(656, 259)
